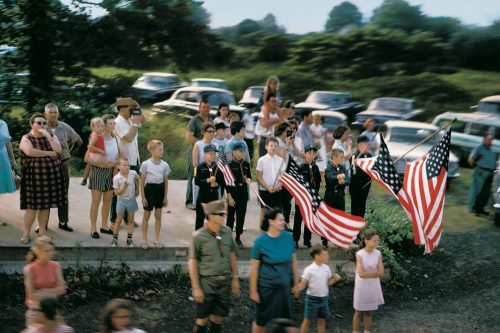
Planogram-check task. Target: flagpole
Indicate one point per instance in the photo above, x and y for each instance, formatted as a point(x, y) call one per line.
point(258, 196)
point(430, 136)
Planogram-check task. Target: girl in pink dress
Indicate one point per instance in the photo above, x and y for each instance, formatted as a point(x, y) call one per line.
point(367, 290)
point(96, 151)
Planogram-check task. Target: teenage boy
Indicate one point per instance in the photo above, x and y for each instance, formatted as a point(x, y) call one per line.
point(154, 190)
point(238, 195)
point(336, 179)
point(124, 187)
point(209, 179)
point(317, 277)
point(268, 169)
point(310, 171)
point(219, 141)
point(360, 181)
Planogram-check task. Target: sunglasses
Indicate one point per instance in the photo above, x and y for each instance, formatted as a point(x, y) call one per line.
point(40, 123)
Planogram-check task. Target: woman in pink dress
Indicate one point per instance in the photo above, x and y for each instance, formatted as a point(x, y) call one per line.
point(367, 290)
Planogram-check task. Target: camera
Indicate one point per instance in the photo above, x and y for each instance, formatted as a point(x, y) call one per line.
point(289, 133)
point(135, 111)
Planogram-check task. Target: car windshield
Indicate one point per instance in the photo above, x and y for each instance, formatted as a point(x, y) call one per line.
point(331, 122)
point(390, 104)
point(413, 135)
point(489, 107)
point(327, 98)
point(253, 93)
point(156, 80)
point(215, 98)
point(211, 84)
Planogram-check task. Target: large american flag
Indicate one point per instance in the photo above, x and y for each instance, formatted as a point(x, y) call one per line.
point(229, 179)
point(335, 225)
point(422, 191)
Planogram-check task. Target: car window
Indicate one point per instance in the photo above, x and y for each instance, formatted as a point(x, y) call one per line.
point(478, 129)
point(182, 96)
point(193, 96)
point(489, 107)
point(413, 135)
point(331, 122)
point(216, 98)
point(458, 126)
point(391, 104)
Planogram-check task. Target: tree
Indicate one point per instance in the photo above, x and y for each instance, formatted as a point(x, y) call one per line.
point(398, 14)
point(444, 27)
point(344, 15)
point(274, 48)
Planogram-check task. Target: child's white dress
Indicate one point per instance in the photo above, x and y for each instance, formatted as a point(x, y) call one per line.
point(367, 291)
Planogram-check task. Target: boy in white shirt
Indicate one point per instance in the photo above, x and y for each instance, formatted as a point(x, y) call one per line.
point(317, 277)
point(124, 186)
point(154, 190)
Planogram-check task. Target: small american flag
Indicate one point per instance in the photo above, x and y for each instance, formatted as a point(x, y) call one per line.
point(335, 225)
point(229, 179)
point(422, 191)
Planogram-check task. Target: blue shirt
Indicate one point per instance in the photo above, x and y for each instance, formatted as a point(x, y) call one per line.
point(275, 255)
point(484, 157)
point(232, 142)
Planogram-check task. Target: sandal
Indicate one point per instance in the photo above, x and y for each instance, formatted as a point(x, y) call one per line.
point(106, 231)
point(25, 239)
point(94, 235)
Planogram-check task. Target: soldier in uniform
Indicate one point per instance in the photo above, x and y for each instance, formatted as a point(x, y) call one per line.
point(238, 195)
point(310, 171)
point(209, 179)
point(336, 178)
point(212, 269)
point(360, 181)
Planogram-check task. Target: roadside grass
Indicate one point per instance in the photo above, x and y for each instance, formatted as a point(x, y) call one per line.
point(478, 83)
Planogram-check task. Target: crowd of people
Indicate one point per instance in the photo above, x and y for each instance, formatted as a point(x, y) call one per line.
point(116, 177)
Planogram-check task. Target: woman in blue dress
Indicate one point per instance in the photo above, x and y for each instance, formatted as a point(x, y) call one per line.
point(7, 163)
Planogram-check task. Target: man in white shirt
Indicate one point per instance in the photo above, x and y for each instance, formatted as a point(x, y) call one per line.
point(268, 169)
point(127, 125)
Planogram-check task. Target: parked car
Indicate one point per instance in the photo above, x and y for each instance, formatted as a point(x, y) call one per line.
point(401, 136)
point(213, 83)
point(388, 108)
point(331, 119)
point(330, 100)
point(251, 97)
point(154, 87)
point(186, 101)
point(490, 104)
point(468, 130)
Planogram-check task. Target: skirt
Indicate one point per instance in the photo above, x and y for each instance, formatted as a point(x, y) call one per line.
point(100, 179)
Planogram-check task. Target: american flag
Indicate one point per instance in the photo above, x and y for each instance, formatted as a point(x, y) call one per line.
point(335, 225)
point(229, 179)
point(422, 191)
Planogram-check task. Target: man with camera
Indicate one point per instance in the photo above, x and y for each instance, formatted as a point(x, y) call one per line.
point(127, 124)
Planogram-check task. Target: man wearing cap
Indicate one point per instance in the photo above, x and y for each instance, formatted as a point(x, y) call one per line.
point(360, 181)
point(127, 128)
point(238, 195)
point(212, 269)
point(193, 135)
point(310, 171)
point(209, 179)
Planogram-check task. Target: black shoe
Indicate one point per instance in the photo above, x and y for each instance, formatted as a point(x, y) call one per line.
point(482, 212)
point(308, 245)
point(65, 227)
point(106, 231)
point(239, 243)
point(94, 234)
point(296, 245)
point(84, 182)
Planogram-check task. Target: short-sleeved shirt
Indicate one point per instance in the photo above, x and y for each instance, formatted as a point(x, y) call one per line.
point(305, 133)
point(484, 157)
point(271, 166)
point(211, 253)
point(155, 171)
point(275, 256)
point(118, 180)
point(220, 144)
point(265, 131)
point(67, 138)
point(232, 142)
point(122, 127)
point(317, 279)
point(194, 126)
point(200, 145)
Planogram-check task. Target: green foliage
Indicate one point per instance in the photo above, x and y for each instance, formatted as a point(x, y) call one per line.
point(274, 48)
point(398, 14)
point(342, 16)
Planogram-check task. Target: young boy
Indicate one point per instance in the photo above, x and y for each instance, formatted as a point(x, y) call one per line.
point(360, 181)
point(238, 195)
point(310, 171)
point(317, 277)
point(154, 190)
point(220, 141)
point(209, 179)
point(124, 187)
point(336, 179)
point(238, 131)
point(268, 169)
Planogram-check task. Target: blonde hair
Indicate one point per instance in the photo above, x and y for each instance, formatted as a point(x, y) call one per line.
point(37, 246)
point(96, 120)
point(272, 79)
point(336, 152)
point(152, 144)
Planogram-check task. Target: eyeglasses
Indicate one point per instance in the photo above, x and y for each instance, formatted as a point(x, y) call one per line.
point(41, 123)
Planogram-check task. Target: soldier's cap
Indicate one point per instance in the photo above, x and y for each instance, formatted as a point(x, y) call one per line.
point(209, 149)
point(220, 125)
point(239, 146)
point(214, 207)
point(363, 138)
point(125, 101)
point(310, 147)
